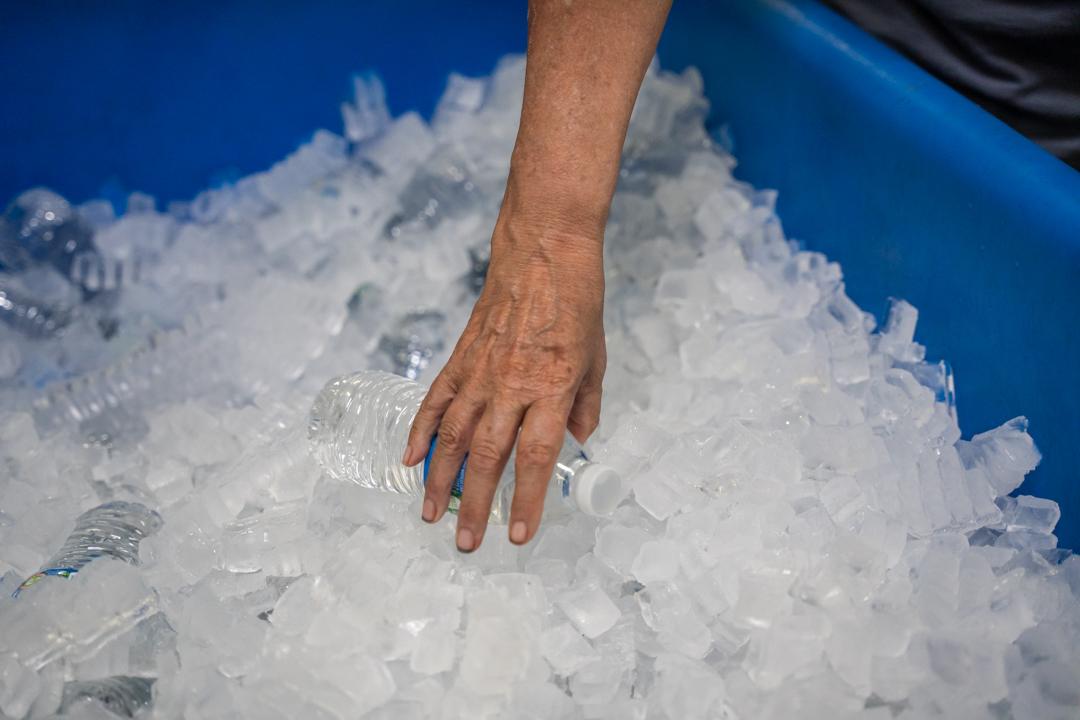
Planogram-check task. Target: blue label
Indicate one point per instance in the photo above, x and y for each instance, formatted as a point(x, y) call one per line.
point(46, 572)
point(459, 481)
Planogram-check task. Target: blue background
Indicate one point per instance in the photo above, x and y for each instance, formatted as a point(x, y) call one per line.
point(915, 191)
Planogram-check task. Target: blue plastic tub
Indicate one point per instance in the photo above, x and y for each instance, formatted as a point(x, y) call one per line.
point(917, 192)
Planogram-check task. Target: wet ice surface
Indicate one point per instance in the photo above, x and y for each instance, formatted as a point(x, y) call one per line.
point(805, 533)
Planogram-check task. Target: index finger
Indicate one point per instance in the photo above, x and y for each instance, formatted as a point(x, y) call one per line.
point(435, 403)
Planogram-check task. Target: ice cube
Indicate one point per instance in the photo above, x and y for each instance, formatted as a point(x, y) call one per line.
point(718, 211)
point(762, 597)
point(462, 98)
point(938, 586)
point(849, 654)
point(842, 497)
point(11, 359)
point(565, 649)
point(404, 143)
point(680, 630)
point(662, 494)
point(267, 541)
point(1032, 513)
point(492, 632)
point(898, 337)
point(361, 684)
point(1005, 454)
point(293, 611)
point(189, 432)
point(1026, 540)
point(589, 608)
point(618, 546)
point(554, 574)
point(597, 683)
point(689, 689)
point(19, 686)
point(655, 336)
point(435, 650)
point(656, 561)
point(169, 480)
point(367, 116)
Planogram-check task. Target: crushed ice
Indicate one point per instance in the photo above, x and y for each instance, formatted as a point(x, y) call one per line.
point(806, 534)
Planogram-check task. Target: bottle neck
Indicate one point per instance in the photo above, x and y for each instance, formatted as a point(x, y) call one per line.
point(565, 472)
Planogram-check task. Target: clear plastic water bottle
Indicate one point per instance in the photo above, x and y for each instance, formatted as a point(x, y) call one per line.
point(39, 226)
point(442, 188)
point(409, 346)
point(122, 695)
point(27, 315)
point(110, 530)
point(479, 260)
point(359, 426)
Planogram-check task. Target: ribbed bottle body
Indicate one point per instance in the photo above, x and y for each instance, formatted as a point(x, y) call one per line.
point(358, 428)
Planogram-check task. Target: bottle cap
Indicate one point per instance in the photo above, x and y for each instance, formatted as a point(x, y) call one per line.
point(597, 489)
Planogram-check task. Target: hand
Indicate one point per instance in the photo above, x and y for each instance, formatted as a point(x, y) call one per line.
point(532, 356)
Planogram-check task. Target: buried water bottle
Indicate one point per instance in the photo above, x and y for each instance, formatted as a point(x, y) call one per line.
point(120, 695)
point(359, 426)
point(113, 529)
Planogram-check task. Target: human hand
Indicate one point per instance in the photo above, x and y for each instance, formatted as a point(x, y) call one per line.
point(531, 357)
point(530, 363)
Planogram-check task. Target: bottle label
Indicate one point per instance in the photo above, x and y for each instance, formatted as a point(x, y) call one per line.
point(47, 572)
point(459, 481)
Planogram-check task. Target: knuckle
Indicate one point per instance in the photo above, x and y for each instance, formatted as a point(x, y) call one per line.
point(452, 436)
point(548, 371)
point(537, 453)
point(446, 383)
point(441, 392)
point(437, 490)
point(485, 455)
point(425, 418)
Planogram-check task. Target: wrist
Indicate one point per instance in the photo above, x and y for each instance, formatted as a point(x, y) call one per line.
point(547, 234)
point(532, 255)
point(559, 196)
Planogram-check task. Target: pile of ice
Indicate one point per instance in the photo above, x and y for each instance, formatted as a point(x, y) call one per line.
point(805, 535)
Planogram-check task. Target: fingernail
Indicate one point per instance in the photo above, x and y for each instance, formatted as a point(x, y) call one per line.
point(465, 540)
point(406, 456)
point(428, 512)
point(518, 532)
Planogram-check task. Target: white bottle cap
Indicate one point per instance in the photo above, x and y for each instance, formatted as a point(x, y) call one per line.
point(597, 489)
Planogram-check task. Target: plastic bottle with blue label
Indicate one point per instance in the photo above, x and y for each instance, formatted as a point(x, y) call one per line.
point(359, 426)
point(110, 530)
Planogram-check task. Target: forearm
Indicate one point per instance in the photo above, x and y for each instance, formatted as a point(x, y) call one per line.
point(586, 59)
point(530, 364)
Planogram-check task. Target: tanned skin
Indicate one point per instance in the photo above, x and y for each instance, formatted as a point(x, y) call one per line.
point(530, 363)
